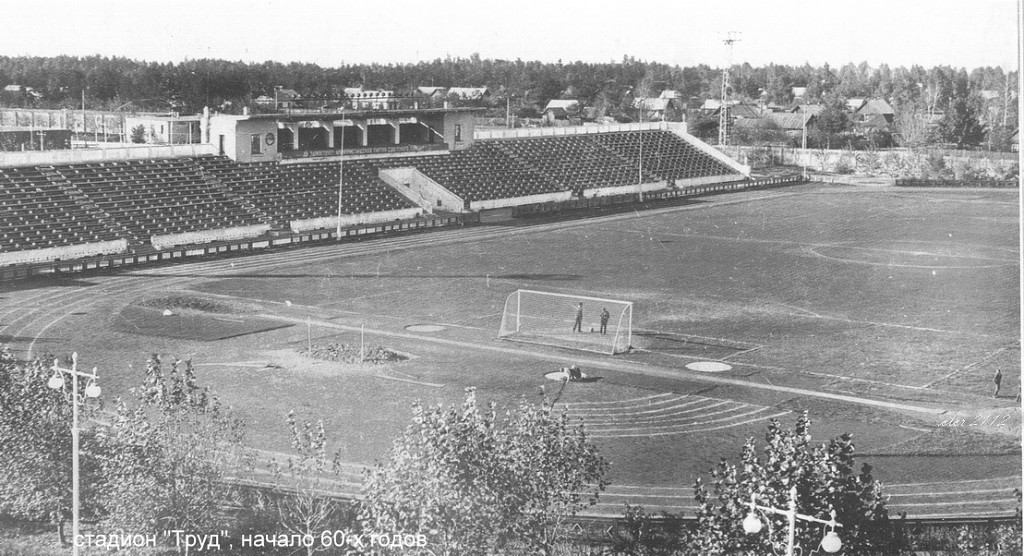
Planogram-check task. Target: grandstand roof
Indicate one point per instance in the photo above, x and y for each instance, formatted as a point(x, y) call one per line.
point(311, 115)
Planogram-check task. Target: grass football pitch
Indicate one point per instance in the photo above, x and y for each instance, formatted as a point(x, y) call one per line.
point(882, 313)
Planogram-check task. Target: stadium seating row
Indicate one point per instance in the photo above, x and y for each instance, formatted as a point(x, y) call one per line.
point(65, 205)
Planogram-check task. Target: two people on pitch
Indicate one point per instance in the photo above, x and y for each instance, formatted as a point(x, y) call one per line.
point(578, 324)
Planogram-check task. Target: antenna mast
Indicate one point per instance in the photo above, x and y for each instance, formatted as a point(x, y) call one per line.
point(724, 121)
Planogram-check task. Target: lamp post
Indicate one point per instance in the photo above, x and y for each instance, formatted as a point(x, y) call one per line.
point(752, 525)
point(92, 390)
point(341, 169)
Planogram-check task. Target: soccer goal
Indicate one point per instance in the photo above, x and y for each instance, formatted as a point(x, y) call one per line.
point(572, 321)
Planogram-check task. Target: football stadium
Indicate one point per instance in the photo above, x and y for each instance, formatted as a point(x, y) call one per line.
point(699, 300)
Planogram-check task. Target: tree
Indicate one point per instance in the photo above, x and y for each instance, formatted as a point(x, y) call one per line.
point(961, 125)
point(306, 507)
point(169, 455)
point(833, 122)
point(825, 479)
point(473, 485)
point(138, 134)
point(35, 433)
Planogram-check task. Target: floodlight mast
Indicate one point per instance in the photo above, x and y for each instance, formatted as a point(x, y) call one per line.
point(723, 112)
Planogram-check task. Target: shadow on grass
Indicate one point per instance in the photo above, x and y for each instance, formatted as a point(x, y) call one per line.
point(383, 276)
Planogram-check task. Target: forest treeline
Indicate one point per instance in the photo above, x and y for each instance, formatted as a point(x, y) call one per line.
point(108, 82)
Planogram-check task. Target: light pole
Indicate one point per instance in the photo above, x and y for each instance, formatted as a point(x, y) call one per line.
point(92, 390)
point(752, 525)
point(341, 169)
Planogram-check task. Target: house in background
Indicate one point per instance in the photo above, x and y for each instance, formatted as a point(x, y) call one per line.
point(433, 94)
point(659, 109)
point(560, 110)
point(469, 93)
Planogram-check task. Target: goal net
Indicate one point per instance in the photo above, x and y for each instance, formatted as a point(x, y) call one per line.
point(572, 321)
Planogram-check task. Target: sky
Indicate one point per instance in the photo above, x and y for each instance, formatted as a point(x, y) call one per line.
point(959, 33)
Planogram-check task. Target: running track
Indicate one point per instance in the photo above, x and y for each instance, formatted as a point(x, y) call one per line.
point(27, 315)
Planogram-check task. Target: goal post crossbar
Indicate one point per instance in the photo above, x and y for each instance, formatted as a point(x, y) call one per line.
point(579, 297)
point(561, 320)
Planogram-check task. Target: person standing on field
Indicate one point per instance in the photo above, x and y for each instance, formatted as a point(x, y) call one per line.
point(578, 326)
point(998, 379)
point(604, 320)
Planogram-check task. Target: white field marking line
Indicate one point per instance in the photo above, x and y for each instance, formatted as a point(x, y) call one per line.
point(691, 431)
point(811, 246)
point(921, 266)
point(655, 426)
point(944, 493)
point(633, 408)
point(626, 412)
point(957, 503)
point(431, 384)
point(668, 335)
point(490, 315)
point(800, 309)
point(622, 366)
point(645, 398)
point(954, 516)
point(239, 364)
point(460, 326)
point(636, 418)
point(631, 418)
point(738, 353)
point(670, 424)
point(1012, 479)
point(362, 297)
point(684, 335)
point(670, 419)
point(968, 367)
point(700, 358)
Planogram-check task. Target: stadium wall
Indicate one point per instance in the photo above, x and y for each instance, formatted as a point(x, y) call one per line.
point(81, 156)
point(68, 252)
point(208, 236)
point(328, 222)
point(624, 189)
point(706, 180)
point(415, 185)
point(488, 204)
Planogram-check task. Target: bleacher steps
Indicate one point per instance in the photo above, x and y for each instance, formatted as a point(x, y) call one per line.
point(214, 182)
point(94, 210)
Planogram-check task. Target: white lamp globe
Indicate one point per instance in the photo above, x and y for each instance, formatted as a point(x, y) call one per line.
point(751, 524)
point(92, 390)
point(56, 382)
point(831, 542)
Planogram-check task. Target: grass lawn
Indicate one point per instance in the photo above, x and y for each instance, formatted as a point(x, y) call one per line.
point(902, 296)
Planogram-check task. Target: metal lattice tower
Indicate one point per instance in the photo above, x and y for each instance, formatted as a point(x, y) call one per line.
point(724, 120)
